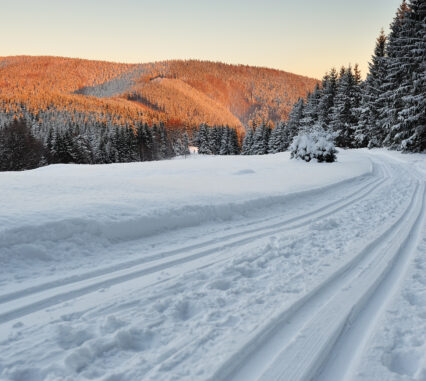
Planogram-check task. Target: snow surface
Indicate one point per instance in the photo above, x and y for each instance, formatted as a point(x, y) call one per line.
point(61, 212)
point(215, 268)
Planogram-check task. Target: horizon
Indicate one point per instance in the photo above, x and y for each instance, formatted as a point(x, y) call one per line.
point(234, 33)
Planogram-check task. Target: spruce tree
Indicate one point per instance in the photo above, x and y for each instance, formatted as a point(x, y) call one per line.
point(132, 142)
point(247, 142)
point(390, 96)
point(217, 139)
point(81, 151)
point(356, 95)
point(155, 149)
point(409, 133)
point(326, 102)
point(344, 117)
point(260, 140)
point(185, 143)
point(369, 132)
point(294, 119)
point(233, 145)
point(49, 146)
point(311, 109)
point(279, 138)
point(166, 150)
point(141, 147)
point(224, 148)
point(286, 139)
point(203, 140)
point(178, 147)
point(275, 139)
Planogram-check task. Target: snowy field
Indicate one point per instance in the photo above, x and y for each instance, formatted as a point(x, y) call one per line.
point(215, 268)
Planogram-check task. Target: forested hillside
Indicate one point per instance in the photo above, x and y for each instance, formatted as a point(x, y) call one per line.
point(174, 93)
point(67, 110)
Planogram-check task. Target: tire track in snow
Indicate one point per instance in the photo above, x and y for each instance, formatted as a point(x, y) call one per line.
point(114, 276)
point(293, 345)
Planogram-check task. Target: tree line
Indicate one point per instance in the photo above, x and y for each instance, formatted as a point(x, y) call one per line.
point(217, 140)
point(23, 146)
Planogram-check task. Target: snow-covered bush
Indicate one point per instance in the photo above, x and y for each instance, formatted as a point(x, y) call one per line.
point(325, 150)
point(302, 147)
point(313, 145)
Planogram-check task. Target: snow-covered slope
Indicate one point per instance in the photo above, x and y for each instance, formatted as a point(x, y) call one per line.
point(215, 268)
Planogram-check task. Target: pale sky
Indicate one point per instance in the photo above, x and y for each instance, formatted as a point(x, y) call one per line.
point(305, 37)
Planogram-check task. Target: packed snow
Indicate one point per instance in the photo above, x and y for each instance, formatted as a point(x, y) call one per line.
point(215, 268)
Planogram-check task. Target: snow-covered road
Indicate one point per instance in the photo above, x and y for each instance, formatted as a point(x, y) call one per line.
point(319, 278)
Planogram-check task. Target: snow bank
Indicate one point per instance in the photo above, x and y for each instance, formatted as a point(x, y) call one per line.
point(81, 204)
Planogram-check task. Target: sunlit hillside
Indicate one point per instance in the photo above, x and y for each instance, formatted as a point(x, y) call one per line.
point(177, 93)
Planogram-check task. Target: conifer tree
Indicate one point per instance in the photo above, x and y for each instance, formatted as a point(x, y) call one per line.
point(409, 132)
point(155, 149)
point(247, 142)
point(132, 144)
point(390, 97)
point(165, 148)
point(369, 131)
point(260, 140)
point(224, 148)
point(356, 96)
point(49, 146)
point(233, 144)
point(275, 139)
point(81, 151)
point(344, 118)
point(203, 140)
point(326, 102)
point(185, 142)
point(215, 138)
point(279, 138)
point(286, 139)
point(311, 109)
point(178, 147)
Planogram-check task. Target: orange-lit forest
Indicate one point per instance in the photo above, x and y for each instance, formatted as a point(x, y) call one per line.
point(64, 110)
point(176, 93)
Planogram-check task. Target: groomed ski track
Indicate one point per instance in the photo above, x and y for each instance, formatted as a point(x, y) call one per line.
point(320, 335)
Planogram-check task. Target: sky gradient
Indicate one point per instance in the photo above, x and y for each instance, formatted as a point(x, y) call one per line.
point(304, 37)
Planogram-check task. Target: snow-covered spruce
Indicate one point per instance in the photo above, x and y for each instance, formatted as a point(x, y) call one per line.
point(313, 145)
